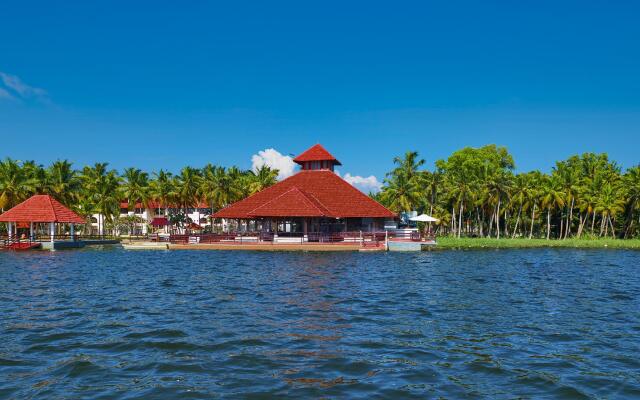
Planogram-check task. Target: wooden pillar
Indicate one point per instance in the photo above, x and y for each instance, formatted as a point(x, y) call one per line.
point(10, 229)
point(52, 231)
point(72, 229)
point(275, 233)
point(31, 236)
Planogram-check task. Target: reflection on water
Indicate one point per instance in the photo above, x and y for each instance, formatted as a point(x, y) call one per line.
point(470, 324)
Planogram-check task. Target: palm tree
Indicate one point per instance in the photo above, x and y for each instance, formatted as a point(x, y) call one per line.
point(15, 185)
point(161, 189)
point(566, 173)
point(552, 197)
point(102, 188)
point(35, 176)
point(409, 165)
point(431, 182)
point(632, 184)
point(401, 193)
point(135, 187)
point(62, 182)
point(497, 185)
point(262, 178)
point(217, 187)
point(610, 204)
point(461, 191)
point(520, 195)
point(239, 183)
point(533, 196)
point(186, 187)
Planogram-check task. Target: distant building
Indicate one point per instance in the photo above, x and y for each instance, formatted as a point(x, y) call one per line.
point(155, 214)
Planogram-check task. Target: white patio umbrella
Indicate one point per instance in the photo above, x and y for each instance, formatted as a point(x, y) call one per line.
point(424, 218)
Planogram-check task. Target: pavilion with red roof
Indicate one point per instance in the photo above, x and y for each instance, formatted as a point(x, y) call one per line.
point(40, 209)
point(314, 200)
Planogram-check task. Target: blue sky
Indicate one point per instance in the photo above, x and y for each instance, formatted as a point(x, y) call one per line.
point(164, 84)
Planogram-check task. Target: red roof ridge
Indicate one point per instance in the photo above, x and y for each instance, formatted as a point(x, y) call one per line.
point(323, 188)
point(315, 203)
point(41, 208)
point(316, 153)
point(253, 195)
point(55, 214)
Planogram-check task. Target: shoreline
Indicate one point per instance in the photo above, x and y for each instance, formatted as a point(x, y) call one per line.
point(450, 243)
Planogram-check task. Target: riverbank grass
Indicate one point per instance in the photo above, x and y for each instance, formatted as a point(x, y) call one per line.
point(521, 243)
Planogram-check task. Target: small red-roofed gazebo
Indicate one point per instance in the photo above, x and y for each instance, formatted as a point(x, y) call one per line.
point(40, 209)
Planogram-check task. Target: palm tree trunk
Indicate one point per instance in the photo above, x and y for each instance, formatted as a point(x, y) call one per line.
point(581, 224)
point(533, 218)
point(569, 219)
point(613, 230)
point(460, 218)
point(493, 215)
point(453, 220)
point(498, 220)
point(548, 223)
point(593, 222)
point(515, 228)
point(506, 222)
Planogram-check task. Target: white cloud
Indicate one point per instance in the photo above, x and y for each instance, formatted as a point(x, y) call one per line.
point(14, 88)
point(365, 184)
point(273, 159)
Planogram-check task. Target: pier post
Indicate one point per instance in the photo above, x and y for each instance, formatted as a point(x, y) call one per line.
point(52, 232)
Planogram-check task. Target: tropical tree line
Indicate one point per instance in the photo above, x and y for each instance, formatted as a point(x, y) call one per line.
point(99, 189)
point(476, 193)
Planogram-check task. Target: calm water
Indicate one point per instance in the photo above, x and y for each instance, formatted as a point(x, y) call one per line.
point(460, 324)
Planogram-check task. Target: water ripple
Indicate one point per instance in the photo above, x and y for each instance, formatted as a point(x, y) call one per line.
point(541, 323)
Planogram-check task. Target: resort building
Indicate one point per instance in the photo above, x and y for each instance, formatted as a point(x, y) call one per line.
point(315, 201)
point(153, 214)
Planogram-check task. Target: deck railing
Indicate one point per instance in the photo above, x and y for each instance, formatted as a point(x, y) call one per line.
point(353, 237)
point(13, 242)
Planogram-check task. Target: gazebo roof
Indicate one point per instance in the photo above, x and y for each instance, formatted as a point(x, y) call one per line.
point(316, 153)
point(41, 208)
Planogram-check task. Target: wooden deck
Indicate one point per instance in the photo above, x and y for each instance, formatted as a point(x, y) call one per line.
point(273, 246)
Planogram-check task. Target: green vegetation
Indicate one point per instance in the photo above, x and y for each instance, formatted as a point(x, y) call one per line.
point(99, 190)
point(447, 242)
point(475, 193)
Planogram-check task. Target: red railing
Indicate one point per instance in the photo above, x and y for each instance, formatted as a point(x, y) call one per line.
point(365, 239)
point(17, 243)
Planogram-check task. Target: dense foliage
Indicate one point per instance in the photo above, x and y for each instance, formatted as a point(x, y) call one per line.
point(99, 190)
point(475, 193)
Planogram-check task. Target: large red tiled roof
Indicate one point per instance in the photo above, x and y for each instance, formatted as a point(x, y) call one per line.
point(316, 153)
point(335, 197)
point(41, 208)
point(292, 203)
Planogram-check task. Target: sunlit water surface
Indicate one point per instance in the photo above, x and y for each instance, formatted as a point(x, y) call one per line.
point(457, 324)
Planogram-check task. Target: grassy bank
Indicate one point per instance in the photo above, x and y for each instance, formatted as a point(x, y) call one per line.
point(488, 243)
